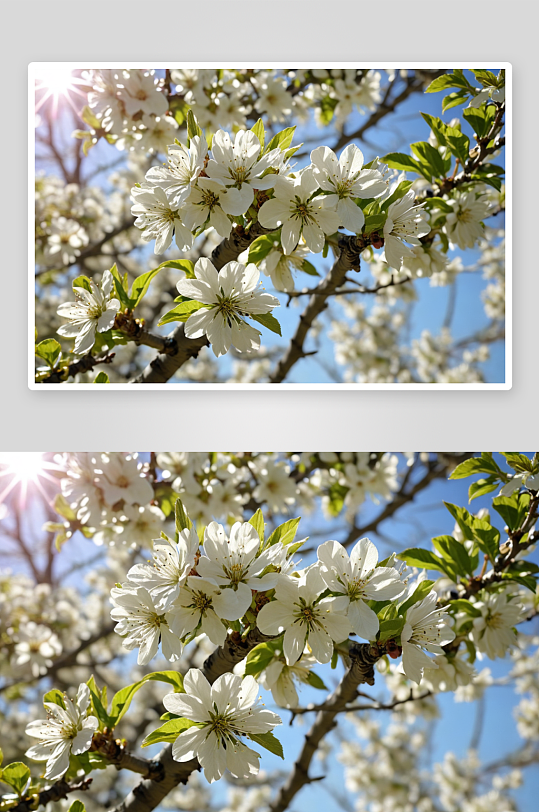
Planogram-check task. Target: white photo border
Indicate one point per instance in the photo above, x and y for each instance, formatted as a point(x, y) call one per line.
point(33, 71)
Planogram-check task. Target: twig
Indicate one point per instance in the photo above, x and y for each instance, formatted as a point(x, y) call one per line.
point(56, 792)
point(85, 364)
point(348, 259)
point(68, 660)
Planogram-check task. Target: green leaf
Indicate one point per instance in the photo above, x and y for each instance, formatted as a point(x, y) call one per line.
point(120, 288)
point(487, 537)
point(398, 160)
point(16, 775)
point(524, 580)
point(475, 465)
point(257, 521)
point(56, 697)
point(374, 222)
point(122, 699)
point(403, 187)
point(121, 702)
point(454, 99)
point(140, 286)
point(259, 131)
point(418, 557)
point(455, 553)
point(437, 203)
point(512, 508)
point(462, 605)
point(448, 80)
point(184, 265)
point(192, 125)
point(77, 806)
point(486, 77)
point(62, 506)
point(102, 377)
point(477, 119)
point(420, 592)
point(260, 248)
point(181, 312)
point(269, 742)
point(281, 140)
point(307, 267)
point(316, 682)
point(429, 155)
point(437, 126)
point(48, 349)
point(183, 522)
point(90, 118)
point(170, 677)
point(390, 628)
point(482, 487)
point(259, 658)
point(293, 548)
point(168, 732)
point(268, 321)
point(97, 704)
point(82, 282)
point(285, 533)
point(463, 519)
point(520, 463)
point(458, 143)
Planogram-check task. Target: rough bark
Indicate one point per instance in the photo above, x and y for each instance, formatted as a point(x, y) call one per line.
point(363, 657)
point(350, 248)
point(150, 792)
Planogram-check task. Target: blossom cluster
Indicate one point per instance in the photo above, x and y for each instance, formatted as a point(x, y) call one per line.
point(111, 496)
point(139, 111)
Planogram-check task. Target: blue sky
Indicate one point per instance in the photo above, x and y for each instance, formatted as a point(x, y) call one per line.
point(392, 134)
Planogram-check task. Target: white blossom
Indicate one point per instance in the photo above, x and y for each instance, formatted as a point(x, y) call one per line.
point(304, 617)
point(405, 223)
point(94, 311)
point(172, 563)
point(359, 580)
point(346, 180)
point(142, 625)
point(294, 207)
point(158, 219)
point(66, 730)
point(202, 602)
point(231, 295)
point(426, 629)
point(222, 712)
point(493, 632)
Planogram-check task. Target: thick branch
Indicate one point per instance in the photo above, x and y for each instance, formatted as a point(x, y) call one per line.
point(350, 248)
point(363, 657)
point(149, 793)
point(163, 367)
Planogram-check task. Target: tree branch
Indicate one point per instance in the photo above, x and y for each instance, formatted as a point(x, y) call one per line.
point(85, 364)
point(56, 792)
point(350, 249)
point(363, 657)
point(163, 367)
point(150, 792)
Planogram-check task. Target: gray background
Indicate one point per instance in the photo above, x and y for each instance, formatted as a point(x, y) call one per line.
point(277, 31)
